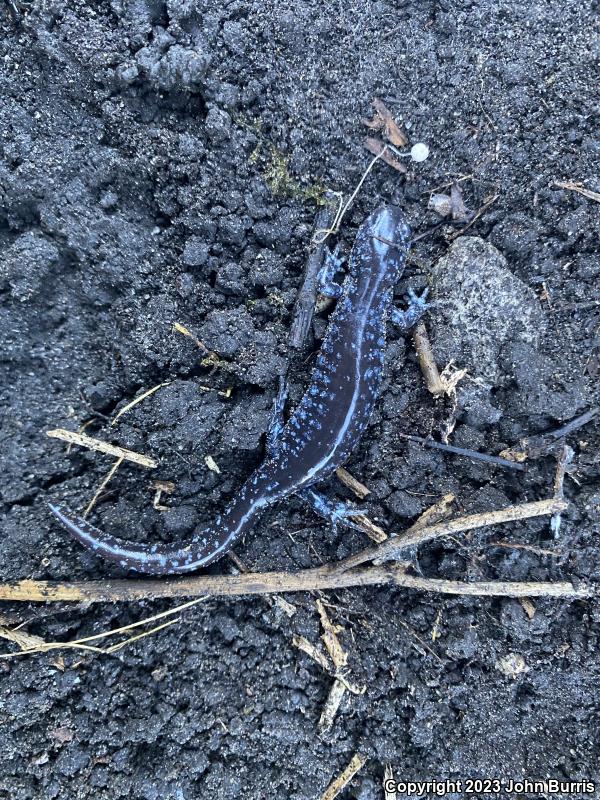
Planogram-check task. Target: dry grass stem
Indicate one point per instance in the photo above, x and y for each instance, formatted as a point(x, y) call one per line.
point(139, 399)
point(103, 485)
point(34, 644)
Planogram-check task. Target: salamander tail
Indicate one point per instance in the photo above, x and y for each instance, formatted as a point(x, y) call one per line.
point(150, 559)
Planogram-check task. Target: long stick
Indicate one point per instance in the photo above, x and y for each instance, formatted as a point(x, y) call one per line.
point(330, 576)
point(270, 582)
point(396, 544)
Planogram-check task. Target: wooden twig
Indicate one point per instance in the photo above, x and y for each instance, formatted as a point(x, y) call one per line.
point(465, 451)
point(427, 363)
point(540, 444)
point(394, 545)
point(374, 532)
point(576, 423)
point(432, 515)
point(344, 778)
point(330, 576)
point(102, 447)
point(321, 578)
point(305, 301)
point(359, 489)
point(577, 187)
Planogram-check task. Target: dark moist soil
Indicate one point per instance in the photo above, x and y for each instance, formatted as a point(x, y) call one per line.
point(159, 164)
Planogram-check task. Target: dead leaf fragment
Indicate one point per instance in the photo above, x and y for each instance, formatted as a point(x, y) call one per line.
point(383, 121)
point(378, 148)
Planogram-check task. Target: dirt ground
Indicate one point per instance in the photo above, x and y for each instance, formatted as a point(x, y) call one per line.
point(162, 162)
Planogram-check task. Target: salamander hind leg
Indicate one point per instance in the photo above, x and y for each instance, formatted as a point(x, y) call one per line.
point(333, 510)
point(417, 306)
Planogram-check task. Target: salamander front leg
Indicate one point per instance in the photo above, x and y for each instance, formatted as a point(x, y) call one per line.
point(333, 510)
point(417, 306)
point(277, 419)
point(326, 284)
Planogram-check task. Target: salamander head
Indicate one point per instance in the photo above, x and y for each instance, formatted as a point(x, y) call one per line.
point(382, 243)
point(388, 227)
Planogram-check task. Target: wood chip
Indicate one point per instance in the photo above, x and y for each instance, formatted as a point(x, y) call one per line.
point(359, 489)
point(332, 704)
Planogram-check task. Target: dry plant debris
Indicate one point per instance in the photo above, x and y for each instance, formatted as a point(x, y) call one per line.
point(333, 663)
point(343, 779)
point(384, 122)
point(579, 188)
point(359, 489)
point(178, 328)
point(104, 483)
point(451, 205)
point(160, 487)
point(429, 369)
point(30, 645)
point(488, 201)
point(102, 447)
point(382, 150)
point(139, 399)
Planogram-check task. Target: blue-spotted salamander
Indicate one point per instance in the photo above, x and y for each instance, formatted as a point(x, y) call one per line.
point(324, 428)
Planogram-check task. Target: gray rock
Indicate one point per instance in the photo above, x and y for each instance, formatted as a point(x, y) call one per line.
point(483, 308)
